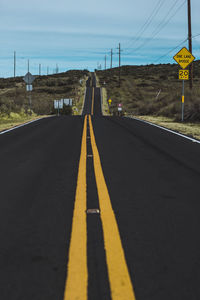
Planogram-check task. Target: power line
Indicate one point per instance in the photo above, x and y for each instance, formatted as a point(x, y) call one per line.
point(147, 23)
point(119, 64)
point(157, 31)
point(169, 19)
point(165, 18)
point(195, 40)
point(170, 51)
point(194, 36)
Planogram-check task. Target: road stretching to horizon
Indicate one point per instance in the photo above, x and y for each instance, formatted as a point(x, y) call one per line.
point(98, 208)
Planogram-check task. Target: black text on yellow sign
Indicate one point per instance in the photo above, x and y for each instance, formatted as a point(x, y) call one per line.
point(184, 57)
point(183, 74)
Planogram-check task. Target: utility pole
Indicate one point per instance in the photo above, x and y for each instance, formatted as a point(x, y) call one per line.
point(190, 42)
point(105, 62)
point(14, 64)
point(28, 65)
point(47, 70)
point(111, 55)
point(119, 63)
point(40, 69)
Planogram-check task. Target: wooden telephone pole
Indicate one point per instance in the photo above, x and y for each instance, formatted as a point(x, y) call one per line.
point(105, 62)
point(111, 55)
point(190, 42)
point(119, 63)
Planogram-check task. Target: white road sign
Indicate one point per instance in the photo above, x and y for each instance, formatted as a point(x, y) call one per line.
point(29, 78)
point(61, 104)
point(58, 104)
point(29, 87)
point(68, 102)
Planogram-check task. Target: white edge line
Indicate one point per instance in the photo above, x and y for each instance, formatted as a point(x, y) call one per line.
point(166, 129)
point(24, 124)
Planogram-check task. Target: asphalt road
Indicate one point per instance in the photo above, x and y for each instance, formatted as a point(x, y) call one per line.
point(147, 241)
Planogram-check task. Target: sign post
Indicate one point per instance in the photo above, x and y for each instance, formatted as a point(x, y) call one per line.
point(29, 78)
point(58, 104)
point(182, 102)
point(184, 58)
point(183, 75)
point(109, 105)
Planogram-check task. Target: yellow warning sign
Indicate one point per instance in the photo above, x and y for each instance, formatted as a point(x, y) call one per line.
point(109, 101)
point(184, 58)
point(183, 74)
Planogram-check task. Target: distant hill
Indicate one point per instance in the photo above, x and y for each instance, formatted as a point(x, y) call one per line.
point(152, 90)
point(14, 98)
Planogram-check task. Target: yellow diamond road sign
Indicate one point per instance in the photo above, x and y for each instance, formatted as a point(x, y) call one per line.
point(184, 58)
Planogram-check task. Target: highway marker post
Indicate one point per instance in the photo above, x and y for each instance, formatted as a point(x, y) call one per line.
point(158, 94)
point(119, 109)
point(184, 58)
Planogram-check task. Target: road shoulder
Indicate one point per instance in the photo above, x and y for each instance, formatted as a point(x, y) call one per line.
point(191, 130)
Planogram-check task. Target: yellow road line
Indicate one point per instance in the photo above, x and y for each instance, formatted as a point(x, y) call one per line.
point(92, 110)
point(77, 276)
point(120, 281)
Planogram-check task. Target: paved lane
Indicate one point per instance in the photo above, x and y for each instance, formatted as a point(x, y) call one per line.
point(140, 182)
point(38, 175)
point(153, 180)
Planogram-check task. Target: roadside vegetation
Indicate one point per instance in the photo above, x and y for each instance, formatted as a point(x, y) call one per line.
point(152, 90)
point(14, 101)
point(15, 119)
point(105, 106)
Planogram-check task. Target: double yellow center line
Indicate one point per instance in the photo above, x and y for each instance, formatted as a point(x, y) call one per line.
point(77, 273)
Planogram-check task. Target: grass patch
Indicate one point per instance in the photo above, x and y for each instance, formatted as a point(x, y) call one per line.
point(105, 107)
point(80, 102)
point(15, 119)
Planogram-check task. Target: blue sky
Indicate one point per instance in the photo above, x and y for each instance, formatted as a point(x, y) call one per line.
point(78, 34)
